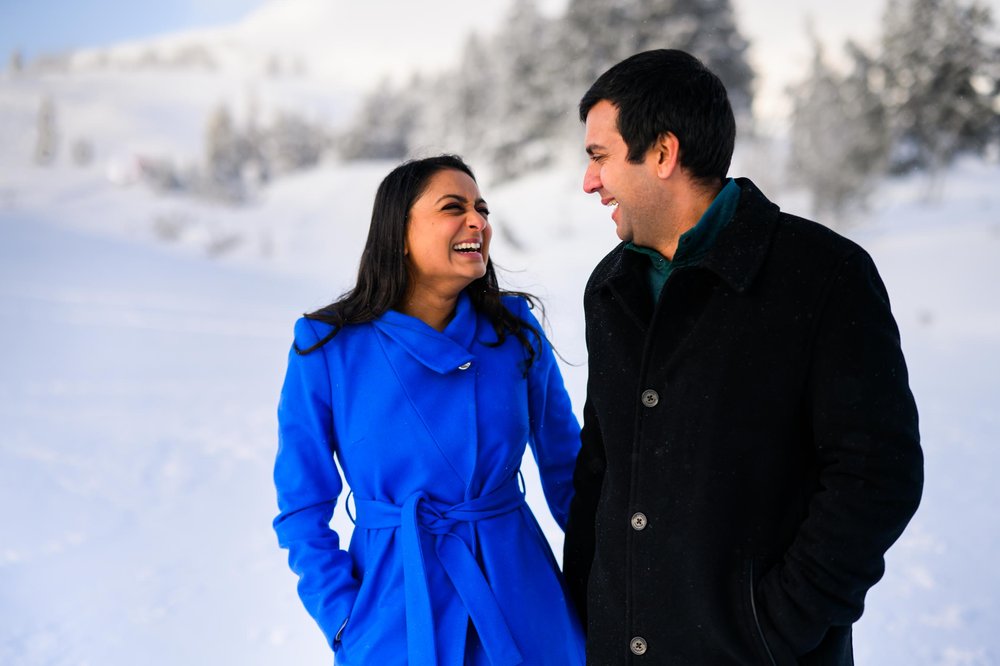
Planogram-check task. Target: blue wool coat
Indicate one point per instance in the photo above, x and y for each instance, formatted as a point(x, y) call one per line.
point(429, 428)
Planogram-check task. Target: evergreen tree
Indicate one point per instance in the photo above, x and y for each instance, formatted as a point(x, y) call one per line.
point(526, 105)
point(15, 63)
point(936, 68)
point(47, 139)
point(384, 125)
point(839, 139)
point(705, 28)
point(594, 35)
point(225, 154)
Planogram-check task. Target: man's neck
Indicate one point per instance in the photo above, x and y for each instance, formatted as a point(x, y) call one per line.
point(688, 206)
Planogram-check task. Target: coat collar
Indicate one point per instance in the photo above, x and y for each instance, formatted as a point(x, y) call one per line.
point(741, 247)
point(441, 351)
point(736, 256)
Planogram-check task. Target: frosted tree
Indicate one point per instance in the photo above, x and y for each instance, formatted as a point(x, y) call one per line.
point(383, 126)
point(15, 63)
point(705, 28)
point(595, 34)
point(47, 139)
point(598, 34)
point(511, 101)
point(526, 106)
point(225, 154)
point(839, 138)
point(939, 81)
point(292, 143)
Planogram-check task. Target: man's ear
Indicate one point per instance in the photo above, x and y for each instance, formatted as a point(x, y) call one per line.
point(668, 154)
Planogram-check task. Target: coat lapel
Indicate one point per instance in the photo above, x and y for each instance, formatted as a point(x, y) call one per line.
point(629, 288)
point(442, 352)
point(445, 397)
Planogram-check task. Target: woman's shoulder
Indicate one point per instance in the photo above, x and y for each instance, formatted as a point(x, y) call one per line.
point(516, 303)
point(310, 331)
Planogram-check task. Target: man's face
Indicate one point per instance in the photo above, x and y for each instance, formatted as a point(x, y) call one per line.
point(632, 190)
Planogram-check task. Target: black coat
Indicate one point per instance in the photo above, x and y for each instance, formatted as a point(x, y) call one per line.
point(750, 450)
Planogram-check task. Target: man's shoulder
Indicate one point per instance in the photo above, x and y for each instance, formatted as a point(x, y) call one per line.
point(805, 241)
point(607, 268)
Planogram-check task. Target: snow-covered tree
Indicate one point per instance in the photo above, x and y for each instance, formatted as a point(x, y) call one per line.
point(527, 103)
point(705, 28)
point(15, 62)
point(383, 126)
point(225, 154)
point(595, 34)
point(293, 143)
point(512, 100)
point(937, 69)
point(47, 139)
point(839, 136)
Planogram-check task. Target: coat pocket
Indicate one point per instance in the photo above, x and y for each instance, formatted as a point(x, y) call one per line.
point(752, 570)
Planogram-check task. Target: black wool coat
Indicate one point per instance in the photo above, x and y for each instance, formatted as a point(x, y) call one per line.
point(750, 450)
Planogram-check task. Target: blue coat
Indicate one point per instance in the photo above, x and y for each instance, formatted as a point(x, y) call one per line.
point(429, 428)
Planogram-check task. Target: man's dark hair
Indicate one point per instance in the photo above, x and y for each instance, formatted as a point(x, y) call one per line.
point(667, 90)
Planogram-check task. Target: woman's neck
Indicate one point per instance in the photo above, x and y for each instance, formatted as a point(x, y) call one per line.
point(433, 308)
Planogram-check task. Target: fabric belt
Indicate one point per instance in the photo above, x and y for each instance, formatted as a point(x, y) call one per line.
point(418, 514)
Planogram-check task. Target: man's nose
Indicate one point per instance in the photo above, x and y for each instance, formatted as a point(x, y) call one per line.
point(592, 178)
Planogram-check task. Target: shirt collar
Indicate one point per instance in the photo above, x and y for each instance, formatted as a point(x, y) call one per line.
point(696, 241)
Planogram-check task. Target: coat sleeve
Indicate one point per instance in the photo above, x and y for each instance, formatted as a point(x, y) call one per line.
point(580, 542)
point(308, 484)
point(864, 424)
point(554, 434)
point(581, 534)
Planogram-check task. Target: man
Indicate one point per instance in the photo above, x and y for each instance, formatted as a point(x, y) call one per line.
point(750, 445)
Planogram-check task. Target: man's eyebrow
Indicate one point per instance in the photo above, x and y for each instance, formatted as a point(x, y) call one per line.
point(592, 148)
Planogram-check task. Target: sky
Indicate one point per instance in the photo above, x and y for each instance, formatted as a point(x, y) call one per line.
point(52, 26)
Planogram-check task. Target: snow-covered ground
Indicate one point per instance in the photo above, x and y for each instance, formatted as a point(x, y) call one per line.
point(140, 379)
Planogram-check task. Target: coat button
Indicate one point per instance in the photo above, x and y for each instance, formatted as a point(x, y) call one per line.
point(465, 366)
point(650, 398)
point(639, 521)
point(638, 645)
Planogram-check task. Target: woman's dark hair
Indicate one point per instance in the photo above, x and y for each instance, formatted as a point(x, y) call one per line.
point(667, 90)
point(382, 276)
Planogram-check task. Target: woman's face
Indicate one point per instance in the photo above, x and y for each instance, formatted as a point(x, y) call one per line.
point(448, 235)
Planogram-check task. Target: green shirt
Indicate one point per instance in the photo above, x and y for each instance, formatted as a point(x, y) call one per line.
point(694, 242)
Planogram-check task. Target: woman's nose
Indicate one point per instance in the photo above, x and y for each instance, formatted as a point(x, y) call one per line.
point(476, 220)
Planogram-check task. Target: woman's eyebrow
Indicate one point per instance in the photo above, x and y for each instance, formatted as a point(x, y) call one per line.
point(458, 197)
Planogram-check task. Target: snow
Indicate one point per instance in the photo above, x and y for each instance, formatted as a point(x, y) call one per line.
point(143, 342)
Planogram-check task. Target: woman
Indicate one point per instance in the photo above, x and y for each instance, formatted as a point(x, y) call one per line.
point(426, 382)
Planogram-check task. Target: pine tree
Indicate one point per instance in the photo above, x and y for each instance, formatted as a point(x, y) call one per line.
point(705, 28)
point(934, 63)
point(526, 106)
point(595, 34)
point(384, 124)
point(225, 154)
point(839, 138)
point(47, 139)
